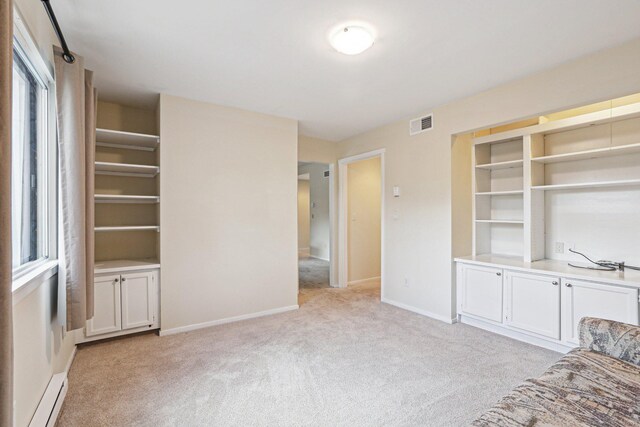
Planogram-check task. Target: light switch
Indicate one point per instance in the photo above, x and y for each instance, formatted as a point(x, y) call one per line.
point(396, 191)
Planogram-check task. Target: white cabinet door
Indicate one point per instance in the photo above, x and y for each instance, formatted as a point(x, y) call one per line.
point(586, 299)
point(532, 303)
point(137, 299)
point(481, 292)
point(106, 306)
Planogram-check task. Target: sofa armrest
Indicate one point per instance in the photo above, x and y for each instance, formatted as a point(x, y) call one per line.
point(615, 339)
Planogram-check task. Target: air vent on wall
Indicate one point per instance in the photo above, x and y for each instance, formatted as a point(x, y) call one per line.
point(326, 174)
point(420, 124)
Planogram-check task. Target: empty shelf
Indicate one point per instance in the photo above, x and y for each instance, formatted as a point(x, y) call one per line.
point(499, 193)
point(129, 228)
point(500, 221)
point(116, 198)
point(125, 265)
point(130, 140)
point(589, 154)
point(126, 169)
point(598, 184)
point(502, 165)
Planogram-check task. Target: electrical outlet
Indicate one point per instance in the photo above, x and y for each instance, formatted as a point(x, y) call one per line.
point(559, 247)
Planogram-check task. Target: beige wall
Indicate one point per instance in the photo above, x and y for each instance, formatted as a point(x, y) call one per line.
point(363, 216)
point(419, 243)
point(228, 212)
point(41, 348)
point(316, 150)
point(304, 216)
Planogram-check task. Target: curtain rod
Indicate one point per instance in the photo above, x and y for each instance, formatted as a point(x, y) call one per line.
point(68, 57)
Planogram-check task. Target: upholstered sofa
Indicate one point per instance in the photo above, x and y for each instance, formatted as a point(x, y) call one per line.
point(596, 384)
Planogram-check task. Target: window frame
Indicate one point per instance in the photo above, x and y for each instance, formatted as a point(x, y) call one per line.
point(24, 43)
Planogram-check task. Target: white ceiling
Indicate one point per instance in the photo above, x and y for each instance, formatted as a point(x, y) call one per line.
point(273, 56)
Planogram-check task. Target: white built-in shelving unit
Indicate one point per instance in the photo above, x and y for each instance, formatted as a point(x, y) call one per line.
point(127, 266)
point(513, 170)
point(109, 140)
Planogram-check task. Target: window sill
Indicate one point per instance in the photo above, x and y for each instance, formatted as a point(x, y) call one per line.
point(27, 283)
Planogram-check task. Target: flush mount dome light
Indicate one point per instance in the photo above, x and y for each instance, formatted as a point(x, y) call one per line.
point(351, 40)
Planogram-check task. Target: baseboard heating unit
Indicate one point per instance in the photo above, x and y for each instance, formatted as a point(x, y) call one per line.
point(51, 403)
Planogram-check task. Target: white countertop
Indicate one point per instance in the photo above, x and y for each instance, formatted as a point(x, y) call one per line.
point(121, 265)
point(629, 278)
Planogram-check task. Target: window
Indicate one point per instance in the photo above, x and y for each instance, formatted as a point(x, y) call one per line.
point(32, 168)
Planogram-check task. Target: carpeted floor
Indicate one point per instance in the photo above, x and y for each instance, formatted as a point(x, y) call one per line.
point(342, 359)
point(313, 273)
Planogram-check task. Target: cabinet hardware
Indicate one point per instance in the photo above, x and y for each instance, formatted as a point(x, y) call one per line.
point(498, 274)
point(123, 279)
point(117, 280)
point(554, 283)
point(568, 285)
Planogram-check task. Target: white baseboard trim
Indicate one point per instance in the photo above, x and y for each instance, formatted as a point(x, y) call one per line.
point(180, 329)
point(72, 357)
point(419, 311)
point(519, 336)
point(320, 258)
point(370, 279)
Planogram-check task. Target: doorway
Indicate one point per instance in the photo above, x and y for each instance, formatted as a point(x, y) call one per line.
point(361, 220)
point(314, 225)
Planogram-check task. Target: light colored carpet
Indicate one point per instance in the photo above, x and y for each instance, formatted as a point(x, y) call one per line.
point(342, 359)
point(313, 273)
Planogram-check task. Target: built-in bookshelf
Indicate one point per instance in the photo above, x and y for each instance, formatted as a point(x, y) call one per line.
point(126, 199)
point(515, 172)
point(498, 205)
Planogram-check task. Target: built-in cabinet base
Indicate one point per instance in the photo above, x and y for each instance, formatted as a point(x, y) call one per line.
point(124, 303)
point(535, 303)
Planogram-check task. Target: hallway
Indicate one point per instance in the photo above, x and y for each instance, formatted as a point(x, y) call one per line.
point(313, 273)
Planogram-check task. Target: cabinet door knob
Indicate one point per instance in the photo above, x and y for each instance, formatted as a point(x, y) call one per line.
point(568, 285)
point(123, 279)
point(498, 274)
point(117, 280)
point(554, 283)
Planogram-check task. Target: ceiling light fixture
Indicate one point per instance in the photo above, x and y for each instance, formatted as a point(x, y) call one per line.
point(351, 40)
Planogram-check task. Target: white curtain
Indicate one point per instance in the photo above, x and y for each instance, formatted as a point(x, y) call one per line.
point(76, 111)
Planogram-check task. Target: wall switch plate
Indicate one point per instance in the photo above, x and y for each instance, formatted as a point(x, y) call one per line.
point(559, 248)
point(406, 282)
point(396, 191)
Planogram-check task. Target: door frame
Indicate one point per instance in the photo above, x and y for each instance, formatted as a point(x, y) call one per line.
point(343, 258)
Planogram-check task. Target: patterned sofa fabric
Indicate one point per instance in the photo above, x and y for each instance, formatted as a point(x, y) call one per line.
point(584, 388)
point(597, 384)
point(616, 339)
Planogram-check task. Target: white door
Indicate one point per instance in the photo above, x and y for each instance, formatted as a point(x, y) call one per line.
point(137, 299)
point(481, 292)
point(106, 306)
point(532, 303)
point(586, 299)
